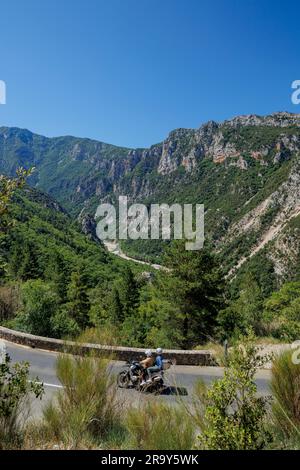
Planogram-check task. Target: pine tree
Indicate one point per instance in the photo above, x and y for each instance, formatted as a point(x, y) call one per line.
point(79, 304)
point(244, 312)
point(59, 272)
point(116, 308)
point(25, 261)
point(129, 293)
point(195, 287)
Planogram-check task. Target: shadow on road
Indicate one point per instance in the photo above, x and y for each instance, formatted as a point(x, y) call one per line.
point(181, 391)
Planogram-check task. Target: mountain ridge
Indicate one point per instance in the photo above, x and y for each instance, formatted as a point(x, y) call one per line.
point(232, 167)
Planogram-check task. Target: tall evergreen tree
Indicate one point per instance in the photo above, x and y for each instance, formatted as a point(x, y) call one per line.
point(25, 260)
point(79, 304)
point(129, 293)
point(58, 271)
point(116, 309)
point(194, 285)
point(244, 312)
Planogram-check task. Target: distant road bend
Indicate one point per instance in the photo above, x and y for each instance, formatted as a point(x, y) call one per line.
point(114, 248)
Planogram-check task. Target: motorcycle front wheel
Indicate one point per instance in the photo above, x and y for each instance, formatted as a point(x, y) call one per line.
point(123, 379)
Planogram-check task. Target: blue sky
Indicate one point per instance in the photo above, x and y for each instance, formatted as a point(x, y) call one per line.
point(129, 71)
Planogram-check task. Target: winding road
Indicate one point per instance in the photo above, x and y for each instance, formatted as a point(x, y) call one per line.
point(114, 248)
point(42, 364)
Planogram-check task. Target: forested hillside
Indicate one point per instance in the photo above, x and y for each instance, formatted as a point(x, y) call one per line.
point(57, 279)
point(244, 170)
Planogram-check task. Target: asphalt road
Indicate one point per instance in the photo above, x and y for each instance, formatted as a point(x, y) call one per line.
point(42, 365)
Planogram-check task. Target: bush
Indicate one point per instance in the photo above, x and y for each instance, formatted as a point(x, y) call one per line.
point(230, 415)
point(157, 426)
point(9, 302)
point(106, 335)
point(40, 304)
point(62, 326)
point(15, 390)
point(282, 312)
point(285, 386)
point(86, 409)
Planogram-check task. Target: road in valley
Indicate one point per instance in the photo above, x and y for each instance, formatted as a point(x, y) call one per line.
point(114, 248)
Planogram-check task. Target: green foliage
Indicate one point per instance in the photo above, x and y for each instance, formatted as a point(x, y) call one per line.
point(15, 389)
point(47, 247)
point(40, 304)
point(195, 286)
point(62, 325)
point(116, 311)
point(128, 293)
point(282, 312)
point(234, 417)
point(9, 301)
point(161, 427)
point(87, 408)
point(243, 313)
point(79, 304)
point(285, 386)
point(8, 187)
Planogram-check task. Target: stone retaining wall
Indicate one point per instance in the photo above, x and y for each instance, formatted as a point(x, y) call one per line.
point(180, 357)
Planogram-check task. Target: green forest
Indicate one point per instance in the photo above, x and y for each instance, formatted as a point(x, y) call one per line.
point(58, 282)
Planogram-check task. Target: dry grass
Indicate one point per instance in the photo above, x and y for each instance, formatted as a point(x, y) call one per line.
point(87, 410)
point(157, 426)
point(103, 336)
point(285, 386)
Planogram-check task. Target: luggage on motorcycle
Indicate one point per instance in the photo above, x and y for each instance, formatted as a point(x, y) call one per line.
point(166, 364)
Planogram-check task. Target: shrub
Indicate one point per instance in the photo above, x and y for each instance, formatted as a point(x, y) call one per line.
point(106, 335)
point(157, 426)
point(61, 325)
point(9, 301)
point(86, 409)
point(230, 415)
point(15, 390)
point(40, 303)
point(285, 386)
point(282, 312)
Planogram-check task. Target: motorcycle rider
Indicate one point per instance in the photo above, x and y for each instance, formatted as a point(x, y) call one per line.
point(146, 363)
point(158, 366)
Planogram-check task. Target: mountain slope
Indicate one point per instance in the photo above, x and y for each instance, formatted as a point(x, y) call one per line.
point(42, 230)
point(245, 171)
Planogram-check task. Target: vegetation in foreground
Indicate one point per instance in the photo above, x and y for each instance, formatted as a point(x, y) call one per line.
point(229, 415)
point(55, 281)
point(59, 288)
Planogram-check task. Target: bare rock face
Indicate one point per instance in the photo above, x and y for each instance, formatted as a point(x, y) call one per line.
point(88, 225)
point(189, 162)
point(280, 119)
point(167, 164)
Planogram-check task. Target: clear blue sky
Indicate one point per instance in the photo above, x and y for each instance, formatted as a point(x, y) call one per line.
point(129, 71)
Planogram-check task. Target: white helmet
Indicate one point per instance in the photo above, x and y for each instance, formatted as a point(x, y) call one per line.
point(159, 351)
point(148, 353)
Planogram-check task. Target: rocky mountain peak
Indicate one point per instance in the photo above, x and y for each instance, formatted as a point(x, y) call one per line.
point(277, 119)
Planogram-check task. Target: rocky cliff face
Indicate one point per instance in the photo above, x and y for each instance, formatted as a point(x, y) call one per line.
point(245, 170)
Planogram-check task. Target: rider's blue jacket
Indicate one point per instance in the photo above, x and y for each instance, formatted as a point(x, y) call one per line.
point(159, 361)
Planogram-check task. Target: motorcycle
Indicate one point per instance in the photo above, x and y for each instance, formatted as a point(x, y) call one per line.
point(156, 382)
point(131, 377)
